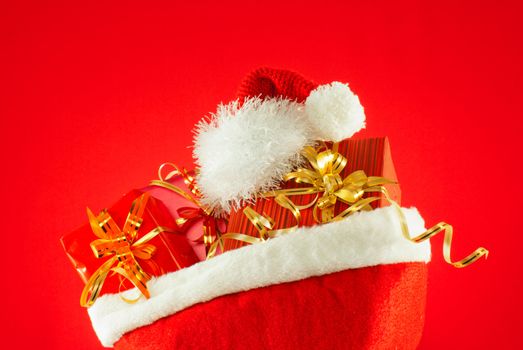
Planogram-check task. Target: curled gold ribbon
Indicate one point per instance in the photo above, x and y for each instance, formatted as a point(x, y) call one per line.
point(447, 229)
point(188, 179)
point(325, 181)
point(263, 224)
point(124, 249)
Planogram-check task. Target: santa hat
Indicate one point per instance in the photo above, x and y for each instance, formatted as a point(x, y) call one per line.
point(351, 283)
point(254, 141)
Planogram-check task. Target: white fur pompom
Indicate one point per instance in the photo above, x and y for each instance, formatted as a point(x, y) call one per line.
point(243, 150)
point(335, 112)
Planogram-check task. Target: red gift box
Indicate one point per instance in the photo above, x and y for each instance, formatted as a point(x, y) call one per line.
point(371, 155)
point(173, 251)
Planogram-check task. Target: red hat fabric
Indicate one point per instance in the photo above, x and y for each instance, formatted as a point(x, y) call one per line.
point(320, 313)
point(270, 82)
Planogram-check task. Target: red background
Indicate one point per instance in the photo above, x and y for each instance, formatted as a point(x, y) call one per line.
point(95, 97)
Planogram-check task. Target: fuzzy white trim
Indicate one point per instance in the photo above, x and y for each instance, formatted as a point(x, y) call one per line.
point(335, 112)
point(363, 239)
point(243, 150)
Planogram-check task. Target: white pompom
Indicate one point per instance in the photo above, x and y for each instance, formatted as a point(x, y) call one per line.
point(335, 112)
point(247, 149)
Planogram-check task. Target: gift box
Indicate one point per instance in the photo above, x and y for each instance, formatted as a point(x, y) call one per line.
point(171, 250)
point(372, 155)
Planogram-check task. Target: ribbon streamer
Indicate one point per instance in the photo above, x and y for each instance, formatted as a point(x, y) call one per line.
point(433, 231)
point(263, 224)
point(187, 178)
point(124, 248)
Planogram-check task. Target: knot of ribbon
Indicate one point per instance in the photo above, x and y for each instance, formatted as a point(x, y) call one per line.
point(188, 215)
point(124, 250)
point(324, 178)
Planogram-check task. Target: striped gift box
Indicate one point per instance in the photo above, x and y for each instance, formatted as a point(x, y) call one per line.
point(371, 155)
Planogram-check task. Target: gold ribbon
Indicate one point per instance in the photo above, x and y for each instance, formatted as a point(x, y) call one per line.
point(325, 181)
point(263, 224)
point(188, 179)
point(324, 178)
point(433, 231)
point(124, 248)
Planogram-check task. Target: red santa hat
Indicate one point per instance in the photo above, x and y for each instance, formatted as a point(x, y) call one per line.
point(351, 283)
point(254, 141)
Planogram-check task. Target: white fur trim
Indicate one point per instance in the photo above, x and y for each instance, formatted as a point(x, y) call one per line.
point(363, 239)
point(243, 150)
point(335, 112)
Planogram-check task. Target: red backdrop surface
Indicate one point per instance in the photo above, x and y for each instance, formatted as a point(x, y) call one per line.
point(94, 97)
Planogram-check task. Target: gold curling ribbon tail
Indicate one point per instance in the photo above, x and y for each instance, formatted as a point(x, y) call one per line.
point(433, 231)
point(448, 229)
point(185, 174)
point(263, 224)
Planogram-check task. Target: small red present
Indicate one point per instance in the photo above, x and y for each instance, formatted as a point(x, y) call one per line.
point(127, 244)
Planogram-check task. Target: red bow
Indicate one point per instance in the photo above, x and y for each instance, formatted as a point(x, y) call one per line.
point(189, 215)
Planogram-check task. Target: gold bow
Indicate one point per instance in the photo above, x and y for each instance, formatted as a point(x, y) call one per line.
point(324, 178)
point(124, 249)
